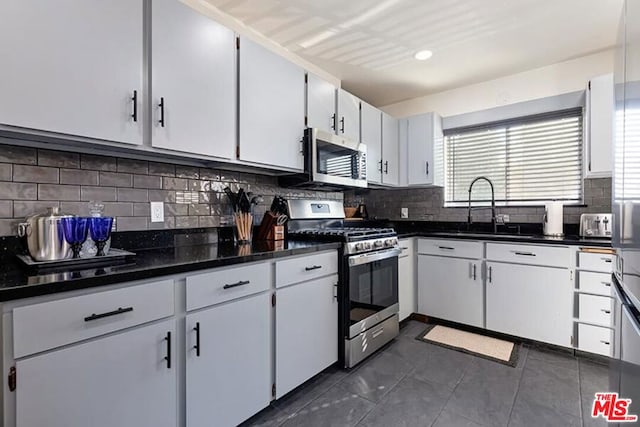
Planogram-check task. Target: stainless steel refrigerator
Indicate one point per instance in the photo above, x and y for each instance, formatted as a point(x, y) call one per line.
point(625, 366)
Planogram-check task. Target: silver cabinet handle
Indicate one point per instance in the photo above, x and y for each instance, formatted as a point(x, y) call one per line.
point(606, 260)
point(605, 311)
point(448, 248)
point(606, 283)
point(335, 291)
point(490, 268)
point(605, 342)
point(474, 272)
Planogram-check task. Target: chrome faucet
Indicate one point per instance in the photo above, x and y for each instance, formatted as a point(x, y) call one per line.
point(493, 203)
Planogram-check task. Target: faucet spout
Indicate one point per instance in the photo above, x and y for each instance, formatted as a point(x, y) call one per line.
point(493, 203)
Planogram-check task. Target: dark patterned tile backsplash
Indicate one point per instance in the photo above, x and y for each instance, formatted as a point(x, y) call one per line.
point(33, 179)
point(427, 204)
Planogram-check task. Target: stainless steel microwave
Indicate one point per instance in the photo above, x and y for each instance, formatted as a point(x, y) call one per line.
point(331, 161)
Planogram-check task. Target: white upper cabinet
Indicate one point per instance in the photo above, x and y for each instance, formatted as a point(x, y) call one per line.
point(425, 153)
point(73, 67)
point(321, 104)
point(371, 127)
point(271, 108)
point(348, 123)
point(599, 129)
point(390, 150)
point(193, 82)
point(403, 146)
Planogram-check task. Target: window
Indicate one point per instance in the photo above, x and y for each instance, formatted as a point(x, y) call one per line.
point(530, 160)
point(627, 155)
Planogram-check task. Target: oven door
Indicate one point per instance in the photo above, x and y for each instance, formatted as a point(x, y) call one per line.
point(336, 160)
point(372, 289)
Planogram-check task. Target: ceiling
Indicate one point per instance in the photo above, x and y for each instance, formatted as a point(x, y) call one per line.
point(369, 45)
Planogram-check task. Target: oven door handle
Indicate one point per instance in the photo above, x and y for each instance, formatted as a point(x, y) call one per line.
point(373, 256)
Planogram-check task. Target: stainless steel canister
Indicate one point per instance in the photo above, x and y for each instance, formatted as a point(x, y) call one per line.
point(45, 237)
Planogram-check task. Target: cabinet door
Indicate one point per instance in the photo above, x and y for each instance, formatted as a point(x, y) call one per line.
point(403, 145)
point(121, 380)
point(600, 105)
point(271, 108)
point(306, 331)
point(229, 366)
point(371, 122)
point(72, 67)
point(199, 95)
point(451, 289)
point(348, 115)
point(530, 302)
point(420, 149)
point(406, 283)
point(390, 150)
point(321, 104)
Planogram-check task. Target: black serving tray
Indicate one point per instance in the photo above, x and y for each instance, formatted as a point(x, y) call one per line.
point(113, 257)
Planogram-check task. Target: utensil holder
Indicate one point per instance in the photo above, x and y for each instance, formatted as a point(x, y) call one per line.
point(243, 227)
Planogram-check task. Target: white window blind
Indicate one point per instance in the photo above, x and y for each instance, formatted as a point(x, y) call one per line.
point(530, 160)
point(627, 156)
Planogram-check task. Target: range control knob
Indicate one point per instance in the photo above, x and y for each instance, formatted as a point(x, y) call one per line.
point(359, 246)
point(389, 242)
point(378, 244)
point(367, 245)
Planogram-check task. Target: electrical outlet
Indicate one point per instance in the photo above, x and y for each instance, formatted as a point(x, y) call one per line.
point(157, 211)
point(404, 212)
point(505, 217)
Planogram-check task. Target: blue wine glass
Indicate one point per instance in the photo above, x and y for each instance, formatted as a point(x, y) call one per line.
point(75, 232)
point(100, 228)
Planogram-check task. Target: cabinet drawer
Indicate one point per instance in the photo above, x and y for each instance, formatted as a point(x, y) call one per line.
point(594, 283)
point(308, 267)
point(595, 309)
point(454, 248)
point(595, 262)
point(549, 256)
point(406, 247)
point(40, 327)
point(225, 284)
point(595, 339)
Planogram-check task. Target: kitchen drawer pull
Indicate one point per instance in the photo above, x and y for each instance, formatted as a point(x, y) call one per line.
point(315, 267)
point(386, 168)
point(448, 248)
point(490, 274)
point(120, 310)
point(606, 259)
point(605, 311)
point(606, 283)
point(335, 291)
point(404, 248)
point(333, 121)
point(134, 99)
point(380, 166)
point(474, 272)
point(161, 106)
point(377, 333)
point(233, 285)
point(197, 346)
point(524, 253)
point(427, 163)
point(168, 356)
point(342, 124)
point(605, 342)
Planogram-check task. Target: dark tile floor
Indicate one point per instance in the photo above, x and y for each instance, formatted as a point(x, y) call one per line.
point(412, 383)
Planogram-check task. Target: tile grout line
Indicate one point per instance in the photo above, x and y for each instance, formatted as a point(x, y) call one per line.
point(453, 390)
point(580, 391)
point(515, 397)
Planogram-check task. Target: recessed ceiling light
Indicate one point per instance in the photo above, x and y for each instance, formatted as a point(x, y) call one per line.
point(423, 55)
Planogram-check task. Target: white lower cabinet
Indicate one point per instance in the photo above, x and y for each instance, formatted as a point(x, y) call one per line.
point(451, 289)
point(406, 279)
point(306, 331)
point(228, 362)
point(530, 301)
point(120, 380)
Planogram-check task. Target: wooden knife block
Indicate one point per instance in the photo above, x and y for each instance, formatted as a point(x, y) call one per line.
point(269, 230)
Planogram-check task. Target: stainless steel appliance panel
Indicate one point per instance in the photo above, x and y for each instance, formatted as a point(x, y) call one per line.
point(630, 357)
point(363, 345)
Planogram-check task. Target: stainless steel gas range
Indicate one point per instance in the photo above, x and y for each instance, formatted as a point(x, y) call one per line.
point(368, 290)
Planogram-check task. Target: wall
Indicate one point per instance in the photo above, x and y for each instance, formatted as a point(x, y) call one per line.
point(427, 204)
point(563, 77)
point(33, 179)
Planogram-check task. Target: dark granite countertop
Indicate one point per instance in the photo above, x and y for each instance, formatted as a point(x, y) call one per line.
point(16, 282)
point(515, 238)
